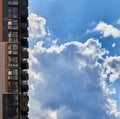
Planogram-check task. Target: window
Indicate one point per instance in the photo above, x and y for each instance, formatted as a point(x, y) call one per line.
point(9, 22)
point(15, 78)
point(9, 72)
point(9, 2)
point(9, 59)
point(9, 47)
point(12, 2)
point(12, 24)
point(12, 34)
point(12, 11)
point(9, 65)
point(15, 72)
point(13, 86)
point(15, 2)
point(13, 46)
point(13, 59)
point(13, 49)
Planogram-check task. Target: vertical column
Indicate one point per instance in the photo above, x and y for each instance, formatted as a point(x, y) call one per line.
point(0, 20)
point(24, 57)
point(1, 58)
point(2, 76)
point(4, 20)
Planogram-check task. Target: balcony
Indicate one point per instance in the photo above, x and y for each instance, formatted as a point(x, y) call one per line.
point(24, 64)
point(24, 87)
point(24, 32)
point(24, 110)
point(24, 20)
point(24, 54)
point(24, 2)
point(24, 42)
point(24, 25)
point(24, 117)
point(25, 76)
point(24, 98)
point(24, 13)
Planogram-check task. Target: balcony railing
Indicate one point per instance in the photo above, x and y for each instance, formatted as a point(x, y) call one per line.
point(24, 13)
point(24, 98)
point(24, 117)
point(24, 42)
point(24, 2)
point(24, 110)
point(24, 54)
point(24, 32)
point(24, 25)
point(24, 87)
point(24, 20)
point(24, 64)
point(25, 76)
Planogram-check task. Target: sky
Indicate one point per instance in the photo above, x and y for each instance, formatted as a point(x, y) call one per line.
point(74, 59)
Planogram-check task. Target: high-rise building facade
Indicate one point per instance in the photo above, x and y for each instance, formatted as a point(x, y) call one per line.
point(13, 59)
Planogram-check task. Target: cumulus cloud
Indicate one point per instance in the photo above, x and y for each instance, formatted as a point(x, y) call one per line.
point(70, 81)
point(72, 78)
point(36, 26)
point(107, 30)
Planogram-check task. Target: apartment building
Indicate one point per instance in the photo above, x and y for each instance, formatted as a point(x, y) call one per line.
point(14, 59)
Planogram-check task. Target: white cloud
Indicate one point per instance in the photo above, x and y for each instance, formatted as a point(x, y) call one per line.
point(72, 78)
point(113, 45)
point(32, 88)
point(113, 107)
point(107, 30)
point(118, 21)
point(38, 112)
point(112, 65)
point(36, 26)
point(32, 59)
point(35, 74)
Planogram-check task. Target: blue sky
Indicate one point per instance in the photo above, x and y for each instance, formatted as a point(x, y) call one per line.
point(74, 59)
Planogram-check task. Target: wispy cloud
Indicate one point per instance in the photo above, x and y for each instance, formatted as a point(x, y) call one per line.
point(107, 30)
point(113, 45)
